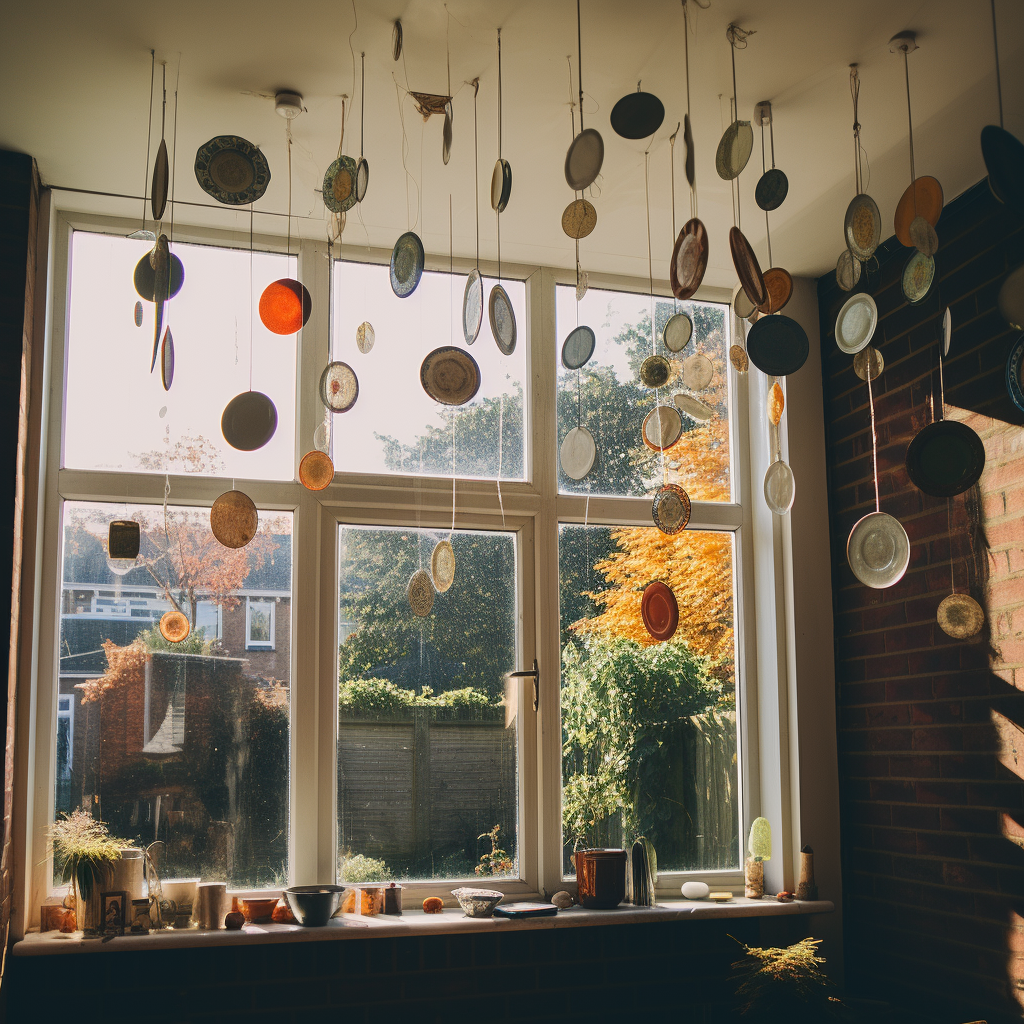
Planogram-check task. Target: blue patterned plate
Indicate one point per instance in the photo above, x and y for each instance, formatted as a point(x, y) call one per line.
point(232, 170)
point(1013, 369)
point(341, 185)
point(406, 264)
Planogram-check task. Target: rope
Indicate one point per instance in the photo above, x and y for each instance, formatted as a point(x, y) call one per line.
point(995, 45)
point(149, 137)
point(874, 444)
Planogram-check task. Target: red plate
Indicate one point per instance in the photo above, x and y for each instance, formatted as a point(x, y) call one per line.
point(659, 610)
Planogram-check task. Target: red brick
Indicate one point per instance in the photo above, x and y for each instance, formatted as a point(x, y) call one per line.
point(938, 738)
point(937, 713)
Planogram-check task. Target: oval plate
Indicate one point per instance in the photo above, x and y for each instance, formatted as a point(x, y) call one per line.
point(945, 458)
point(232, 170)
point(167, 360)
point(656, 372)
point(501, 185)
point(442, 565)
point(659, 610)
point(662, 427)
point(450, 375)
point(503, 320)
point(848, 270)
point(577, 453)
point(472, 306)
point(579, 218)
point(960, 616)
point(734, 149)
point(578, 347)
point(777, 345)
point(697, 410)
point(918, 275)
point(878, 550)
point(678, 332)
point(779, 488)
point(406, 264)
point(339, 387)
point(689, 259)
point(771, 189)
point(637, 115)
point(863, 226)
point(856, 323)
point(341, 185)
point(748, 270)
point(779, 285)
point(583, 159)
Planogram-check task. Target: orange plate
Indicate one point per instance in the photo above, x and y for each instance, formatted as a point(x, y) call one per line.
point(923, 198)
point(779, 285)
point(748, 270)
point(659, 610)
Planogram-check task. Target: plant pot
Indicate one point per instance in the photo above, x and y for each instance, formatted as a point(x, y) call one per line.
point(90, 911)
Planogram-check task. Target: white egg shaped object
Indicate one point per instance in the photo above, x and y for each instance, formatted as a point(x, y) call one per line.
point(695, 890)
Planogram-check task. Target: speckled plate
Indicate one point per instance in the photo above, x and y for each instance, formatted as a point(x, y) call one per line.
point(341, 185)
point(232, 170)
point(578, 347)
point(863, 226)
point(406, 264)
point(450, 375)
point(918, 275)
point(670, 509)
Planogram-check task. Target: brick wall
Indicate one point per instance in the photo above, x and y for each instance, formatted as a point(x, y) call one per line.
point(931, 785)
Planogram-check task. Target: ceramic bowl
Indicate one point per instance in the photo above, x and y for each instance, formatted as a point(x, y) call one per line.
point(258, 909)
point(313, 905)
point(477, 902)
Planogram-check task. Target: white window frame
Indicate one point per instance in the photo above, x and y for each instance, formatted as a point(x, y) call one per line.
point(261, 645)
point(533, 508)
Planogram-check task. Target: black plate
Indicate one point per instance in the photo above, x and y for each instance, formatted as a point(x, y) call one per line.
point(945, 459)
point(145, 278)
point(777, 345)
point(1004, 161)
point(637, 115)
point(771, 189)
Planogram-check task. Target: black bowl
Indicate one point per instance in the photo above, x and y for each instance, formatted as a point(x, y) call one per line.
point(313, 905)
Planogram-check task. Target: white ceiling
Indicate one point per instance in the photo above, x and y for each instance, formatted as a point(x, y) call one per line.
point(74, 93)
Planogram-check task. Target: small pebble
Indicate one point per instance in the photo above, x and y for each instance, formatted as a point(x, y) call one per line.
point(562, 900)
point(433, 905)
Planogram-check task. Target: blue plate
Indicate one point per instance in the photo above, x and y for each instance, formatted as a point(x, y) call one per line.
point(232, 170)
point(406, 264)
point(1013, 369)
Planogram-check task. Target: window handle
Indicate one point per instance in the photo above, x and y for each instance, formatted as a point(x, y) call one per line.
point(535, 674)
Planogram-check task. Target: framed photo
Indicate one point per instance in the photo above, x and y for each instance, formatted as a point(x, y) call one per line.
point(113, 906)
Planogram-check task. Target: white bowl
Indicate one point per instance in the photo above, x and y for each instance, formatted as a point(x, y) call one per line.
point(477, 902)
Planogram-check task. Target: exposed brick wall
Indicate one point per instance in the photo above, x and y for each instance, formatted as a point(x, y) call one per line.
point(931, 787)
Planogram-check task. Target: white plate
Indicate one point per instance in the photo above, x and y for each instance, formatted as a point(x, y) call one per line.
point(678, 332)
point(878, 550)
point(779, 488)
point(578, 452)
point(855, 325)
point(698, 411)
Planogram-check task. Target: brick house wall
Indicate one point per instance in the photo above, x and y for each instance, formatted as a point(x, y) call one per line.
point(931, 792)
point(269, 663)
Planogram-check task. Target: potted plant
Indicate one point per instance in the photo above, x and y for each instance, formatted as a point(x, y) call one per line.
point(84, 850)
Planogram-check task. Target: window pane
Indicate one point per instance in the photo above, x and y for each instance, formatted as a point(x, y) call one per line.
point(117, 415)
point(395, 427)
point(607, 398)
point(648, 729)
point(184, 743)
point(427, 784)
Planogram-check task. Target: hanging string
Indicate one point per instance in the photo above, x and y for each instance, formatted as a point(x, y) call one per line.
point(501, 426)
point(362, 97)
point(174, 140)
point(764, 170)
point(650, 258)
point(910, 121)
point(451, 275)
point(579, 59)
point(874, 444)
point(476, 171)
point(672, 174)
point(163, 110)
point(497, 213)
point(689, 120)
point(288, 135)
point(452, 531)
point(149, 137)
point(995, 45)
point(855, 93)
point(251, 293)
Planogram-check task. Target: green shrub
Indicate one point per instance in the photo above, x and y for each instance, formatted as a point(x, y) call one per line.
point(381, 695)
point(355, 868)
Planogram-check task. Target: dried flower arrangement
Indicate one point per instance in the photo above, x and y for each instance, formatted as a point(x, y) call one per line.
point(82, 848)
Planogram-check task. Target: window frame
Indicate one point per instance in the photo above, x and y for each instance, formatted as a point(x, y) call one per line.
point(533, 509)
point(270, 644)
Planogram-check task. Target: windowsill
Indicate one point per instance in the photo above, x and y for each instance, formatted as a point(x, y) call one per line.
point(415, 923)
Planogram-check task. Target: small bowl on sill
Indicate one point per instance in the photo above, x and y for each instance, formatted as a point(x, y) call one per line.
point(313, 905)
point(257, 910)
point(477, 902)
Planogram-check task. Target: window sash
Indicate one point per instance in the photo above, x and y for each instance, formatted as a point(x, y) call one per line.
point(533, 508)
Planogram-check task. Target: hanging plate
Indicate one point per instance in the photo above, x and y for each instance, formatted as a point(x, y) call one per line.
point(174, 626)
point(145, 278)
point(922, 198)
point(655, 372)
point(776, 404)
point(918, 275)
point(285, 306)
point(878, 550)
point(734, 150)
point(960, 616)
point(924, 237)
point(365, 337)
point(698, 411)
point(659, 610)
point(234, 519)
point(339, 387)
point(138, 314)
point(582, 283)
point(947, 331)
point(472, 306)
point(771, 189)
point(747, 268)
point(945, 458)
point(741, 305)
point(779, 488)
point(779, 285)
point(848, 270)
point(697, 371)
point(420, 593)
point(662, 427)
point(577, 453)
point(738, 358)
point(167, 360)
point(671, 509)
point(340, 189)
point(406, 264)
point(362, 179)
point(678, 332)
point(1004, 161)
point(316, 470)
point(691, 167)
point(579, 218)
point(442, 566)
point(863, 226)
point(1011, 298)
point(396, 41)
point(778, 345)
point(160, 177)
point(637, 115)
point(689, 259)
point(450, 375)
point(501, 185)
point(868, 363)
point(249, 421)
point(503, 320)
point(1014, 366)
point(578, 347)
point(446, 134)
point(856, 322)
point(583, 159)
point(232, 170)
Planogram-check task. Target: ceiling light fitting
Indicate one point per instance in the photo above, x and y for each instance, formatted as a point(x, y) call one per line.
point(288, 104)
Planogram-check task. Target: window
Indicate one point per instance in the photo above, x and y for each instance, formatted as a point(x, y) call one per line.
point(312, 725)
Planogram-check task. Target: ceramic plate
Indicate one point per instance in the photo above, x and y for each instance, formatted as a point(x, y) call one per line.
point(503, 320)
point(863, 226)
point(655, 372)
point(689, 259)
point(945, 458)
point(662, 427)
point(578, 347)
point(167, 360)
point(697, 371)
point(158, 193)
point(868, 362)
point(960, 616)
point(747, 268)
point(316, 470)
point(691, 162)
point(249, 421)
point(848, 270)
point(446, 135)
point(741, 305)
point(138, 314)
point(698, 411)
point(579, 218)
point(1014, 365)
point(577, 453)
point(450, 376)
point(918, 275)
point(670, 509)
point(420, 593)
point(659, 610)
point(878, 550)
point(365, 337)
point(637, 115)
point(442, 566)
point(947, 331)
point(777, 345)
point(771, 189)
point(779, 285)
point(362, 179)
point(1010, 301)
point(779, 488)
point(501, 185)
point(678, 332)
point(922, 198)
point(583, 159)
point(856, 322)
point(472, 306)
point(406, 264)
point(232, 170)
point(174, 627)
point(924, 237)
point(339, 387)
point(734, 150)
point(340, 189)
point(234, 519)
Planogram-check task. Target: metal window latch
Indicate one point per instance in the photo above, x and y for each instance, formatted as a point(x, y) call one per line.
point(535, 674)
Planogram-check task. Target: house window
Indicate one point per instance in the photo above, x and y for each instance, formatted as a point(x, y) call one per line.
point(313, 725)
point(259, 623)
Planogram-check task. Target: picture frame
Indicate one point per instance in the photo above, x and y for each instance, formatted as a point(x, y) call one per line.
point(112, 908)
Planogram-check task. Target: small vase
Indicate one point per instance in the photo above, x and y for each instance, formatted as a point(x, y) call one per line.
point(90, 911)
point(754, 879)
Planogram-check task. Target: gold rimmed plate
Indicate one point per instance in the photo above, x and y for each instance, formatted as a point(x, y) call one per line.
point(450, 375)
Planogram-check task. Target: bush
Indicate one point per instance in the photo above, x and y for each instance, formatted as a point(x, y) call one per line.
point(381, 695)
point(355, 868)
